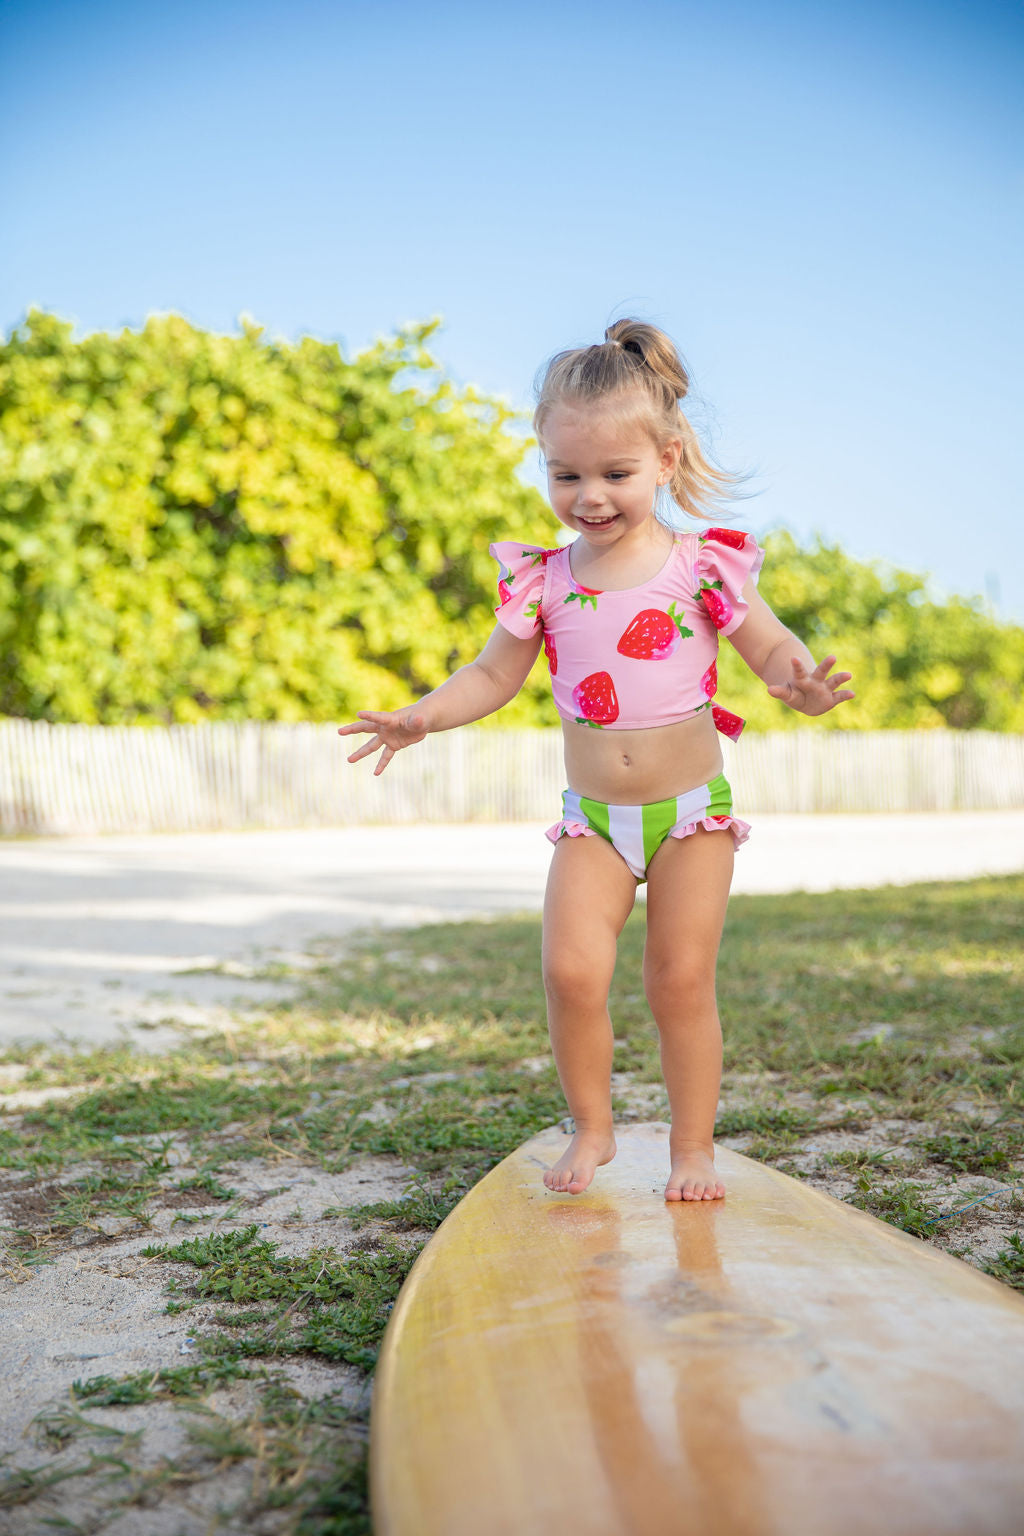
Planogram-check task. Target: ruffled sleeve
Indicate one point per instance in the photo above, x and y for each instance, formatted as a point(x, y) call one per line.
point(726, 559)
point(520, 587)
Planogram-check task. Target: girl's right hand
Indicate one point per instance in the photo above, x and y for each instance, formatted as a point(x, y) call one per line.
point(392, 730)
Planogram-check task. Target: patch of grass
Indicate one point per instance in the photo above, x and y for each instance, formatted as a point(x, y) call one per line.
point(206, 1184)
point(777, 1120)
point(1008, 1266)
point(305, 1457)
point(318, 1302)
point(59, 1425)
point(202, 1105)
point(421, 1207)
point(147, 1386)
point(976, 1147)
point(466, 1126)
point(20, 1485)
point(902, 1204)
point(839, 1011)
point(338, 1504)
point(861, 1159)
point(222, 1440)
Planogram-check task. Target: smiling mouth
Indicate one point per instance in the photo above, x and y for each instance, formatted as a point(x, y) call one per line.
point(597, 522)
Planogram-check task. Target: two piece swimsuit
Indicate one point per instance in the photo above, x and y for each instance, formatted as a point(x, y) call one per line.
point(633, 659)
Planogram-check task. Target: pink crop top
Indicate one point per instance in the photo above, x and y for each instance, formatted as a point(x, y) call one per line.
point(643, 657)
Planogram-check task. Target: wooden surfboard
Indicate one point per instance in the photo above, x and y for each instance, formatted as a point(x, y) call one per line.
point(609, 1364)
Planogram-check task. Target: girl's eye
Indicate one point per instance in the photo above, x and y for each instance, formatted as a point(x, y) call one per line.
point(614, 474)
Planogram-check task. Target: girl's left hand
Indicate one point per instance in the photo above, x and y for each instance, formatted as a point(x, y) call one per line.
point(813, 693)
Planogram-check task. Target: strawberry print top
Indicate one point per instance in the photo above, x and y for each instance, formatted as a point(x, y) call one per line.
point(643, 657)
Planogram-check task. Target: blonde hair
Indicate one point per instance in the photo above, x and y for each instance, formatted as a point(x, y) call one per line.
point(637, 374)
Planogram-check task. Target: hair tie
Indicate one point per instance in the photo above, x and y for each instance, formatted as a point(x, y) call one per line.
point(632, 346)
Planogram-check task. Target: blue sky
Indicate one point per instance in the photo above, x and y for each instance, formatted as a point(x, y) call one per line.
point(820, 203)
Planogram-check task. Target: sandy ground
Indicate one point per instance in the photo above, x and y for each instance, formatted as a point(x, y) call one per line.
point(100, 1310)
point(136, 937)
point(107, 937)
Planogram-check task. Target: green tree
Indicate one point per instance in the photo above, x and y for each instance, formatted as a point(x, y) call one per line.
point(195, 526)
point(915, 662)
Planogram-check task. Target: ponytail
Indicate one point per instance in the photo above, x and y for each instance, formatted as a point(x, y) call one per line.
point(638, 372)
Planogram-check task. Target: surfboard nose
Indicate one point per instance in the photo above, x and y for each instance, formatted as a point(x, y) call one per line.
point(776, 1363)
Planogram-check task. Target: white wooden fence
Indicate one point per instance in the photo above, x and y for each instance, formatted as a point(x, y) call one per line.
point(80, 778)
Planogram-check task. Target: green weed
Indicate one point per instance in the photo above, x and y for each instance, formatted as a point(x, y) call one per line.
point(420, 1208)
point(837, 1010)
point(1008, 1266)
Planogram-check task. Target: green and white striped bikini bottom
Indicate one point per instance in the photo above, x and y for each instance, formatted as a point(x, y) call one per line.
point(638, 831)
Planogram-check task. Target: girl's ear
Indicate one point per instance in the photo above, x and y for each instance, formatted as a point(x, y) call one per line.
point(671, 454)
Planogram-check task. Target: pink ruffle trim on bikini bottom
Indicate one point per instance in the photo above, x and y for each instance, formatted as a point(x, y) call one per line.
point(565, 828)
point(740, 829)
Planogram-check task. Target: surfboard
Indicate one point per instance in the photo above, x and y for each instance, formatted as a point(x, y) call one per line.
point(776, 1363)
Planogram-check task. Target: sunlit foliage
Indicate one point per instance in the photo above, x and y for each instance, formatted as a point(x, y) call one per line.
point(196, 526)
point(915, 661)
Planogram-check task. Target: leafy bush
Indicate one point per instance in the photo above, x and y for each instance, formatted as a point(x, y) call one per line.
point(196, 526)
point(201, 527)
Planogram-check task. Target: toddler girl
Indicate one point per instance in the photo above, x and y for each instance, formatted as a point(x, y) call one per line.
point(629, 615)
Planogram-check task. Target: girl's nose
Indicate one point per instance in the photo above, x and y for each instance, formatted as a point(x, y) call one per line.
point(591, 496)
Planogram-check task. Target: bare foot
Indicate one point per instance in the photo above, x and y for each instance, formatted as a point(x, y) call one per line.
point(693, 1176)
point(576, 1167)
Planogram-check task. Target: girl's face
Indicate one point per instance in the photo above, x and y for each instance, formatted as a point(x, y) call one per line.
point(602, 474)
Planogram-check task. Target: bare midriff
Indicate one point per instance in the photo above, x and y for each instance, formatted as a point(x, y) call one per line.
point(639, 767)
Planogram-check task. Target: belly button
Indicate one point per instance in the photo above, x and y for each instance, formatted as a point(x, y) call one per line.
point(625, 760)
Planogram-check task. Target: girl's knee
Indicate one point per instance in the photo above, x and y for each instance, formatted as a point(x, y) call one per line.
point(679, 980)
point(572, 977)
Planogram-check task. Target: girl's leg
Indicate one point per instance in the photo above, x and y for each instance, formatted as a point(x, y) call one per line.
point(687, 893)
point(590, 893)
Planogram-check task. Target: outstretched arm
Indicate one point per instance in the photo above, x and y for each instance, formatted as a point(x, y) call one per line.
point(784, 663)
point(472, 692)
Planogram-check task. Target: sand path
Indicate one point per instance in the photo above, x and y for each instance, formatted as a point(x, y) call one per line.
point(107, 937)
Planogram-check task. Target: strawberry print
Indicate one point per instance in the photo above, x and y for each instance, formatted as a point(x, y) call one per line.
point(585, 596)
point(709, 682)
point(550, 652)
point(595, 699)
point(718, 607)
point(653, 634)
point(539, 556)
point(677, 620)
point(725, 721)
point(504, 592)
point(730, 536)
point(650, 636)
